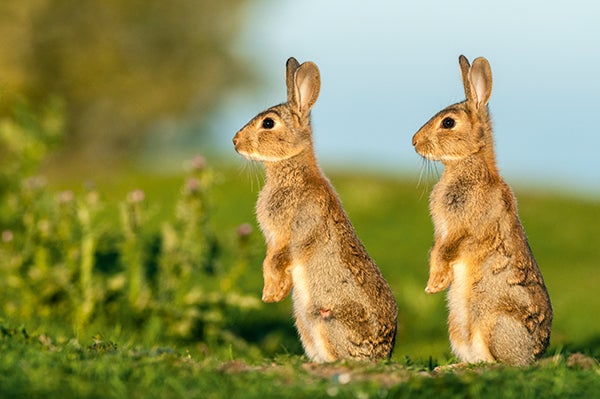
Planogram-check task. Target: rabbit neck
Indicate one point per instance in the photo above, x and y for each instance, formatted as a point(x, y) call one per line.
point(301, 165)
point(479, 167)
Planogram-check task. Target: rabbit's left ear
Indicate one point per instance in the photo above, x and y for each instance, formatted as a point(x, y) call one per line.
point(307, 84)
point(480, 76)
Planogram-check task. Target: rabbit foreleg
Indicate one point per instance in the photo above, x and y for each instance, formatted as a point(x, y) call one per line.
point(277, 275)
point(440, 274)
point(441, 257)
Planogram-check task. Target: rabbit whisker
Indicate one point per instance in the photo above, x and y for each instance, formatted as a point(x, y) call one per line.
point(255, 175)
point(423, 181)
point(421, 170)
point(428, 173)
point(259, 176)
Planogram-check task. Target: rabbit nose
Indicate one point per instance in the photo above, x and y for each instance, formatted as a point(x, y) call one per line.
point(414, 140)
point(235, 140)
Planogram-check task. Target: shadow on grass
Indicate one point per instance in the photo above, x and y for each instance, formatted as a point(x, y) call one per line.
point(590, 347)
point(271, 331)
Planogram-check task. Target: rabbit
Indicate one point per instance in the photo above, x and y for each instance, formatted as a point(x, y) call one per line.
point(498, 305)
point(343, 306)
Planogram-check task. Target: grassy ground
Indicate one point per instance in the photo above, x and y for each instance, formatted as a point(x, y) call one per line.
point(390, 216)
point(38, 367)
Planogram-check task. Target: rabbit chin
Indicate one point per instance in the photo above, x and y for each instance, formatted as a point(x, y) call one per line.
point(259, 157)
point(442, 158)
point(254, 156)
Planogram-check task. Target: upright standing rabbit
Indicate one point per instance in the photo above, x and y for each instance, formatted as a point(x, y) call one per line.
point(342, 305)
point(499, 309)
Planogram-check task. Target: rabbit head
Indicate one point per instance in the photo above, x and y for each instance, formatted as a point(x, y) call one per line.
point(462, 129)
point(283, 131)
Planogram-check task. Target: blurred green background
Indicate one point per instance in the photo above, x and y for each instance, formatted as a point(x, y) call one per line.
point(107, 232)
point(123, 71)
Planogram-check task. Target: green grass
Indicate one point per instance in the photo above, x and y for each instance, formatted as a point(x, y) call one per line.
point(45, 358)
point(37, 367)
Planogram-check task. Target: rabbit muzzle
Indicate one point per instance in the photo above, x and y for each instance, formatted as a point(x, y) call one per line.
point(420, 145)
point(238, 143)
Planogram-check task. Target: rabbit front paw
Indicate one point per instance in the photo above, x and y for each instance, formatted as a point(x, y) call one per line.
point(437, 282)
point(276, 291)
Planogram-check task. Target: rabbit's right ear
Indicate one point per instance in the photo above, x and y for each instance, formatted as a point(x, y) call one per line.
point(477, 80)
point(480, 77)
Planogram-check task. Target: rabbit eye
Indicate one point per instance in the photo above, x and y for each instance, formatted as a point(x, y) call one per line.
point(268, 123)
point(448, 123)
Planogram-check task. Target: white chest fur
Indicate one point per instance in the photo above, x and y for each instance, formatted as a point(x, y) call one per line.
point(441, 228)
point(439, 217)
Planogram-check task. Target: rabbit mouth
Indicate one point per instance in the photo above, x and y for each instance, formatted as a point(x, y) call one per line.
point(428, 155)
point(424, 149)
point(431, 155)
point(252, 156)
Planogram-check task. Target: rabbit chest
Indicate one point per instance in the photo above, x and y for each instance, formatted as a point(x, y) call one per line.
point(274, 212)
point(466, 206)
point(290, 214)
point(448, 205)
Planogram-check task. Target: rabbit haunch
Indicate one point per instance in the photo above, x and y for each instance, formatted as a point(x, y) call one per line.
point(498, 306)
point(342, 305)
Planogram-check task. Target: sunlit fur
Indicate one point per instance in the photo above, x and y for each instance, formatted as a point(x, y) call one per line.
point(343, 307)
point(471, 134)
point(498, 305)
point(275, 144)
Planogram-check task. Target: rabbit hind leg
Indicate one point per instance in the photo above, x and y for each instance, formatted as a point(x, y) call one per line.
point(354, 333)
point(511, 343)
point(315, 345)
point(472, 349)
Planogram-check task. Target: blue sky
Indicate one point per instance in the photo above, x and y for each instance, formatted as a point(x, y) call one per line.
point(388, 66)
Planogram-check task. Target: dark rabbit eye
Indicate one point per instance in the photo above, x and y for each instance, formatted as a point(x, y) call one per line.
point(268, 123)
point(448, 123)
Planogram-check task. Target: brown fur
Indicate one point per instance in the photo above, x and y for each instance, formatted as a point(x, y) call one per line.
point(499, 309)
point(343, 306)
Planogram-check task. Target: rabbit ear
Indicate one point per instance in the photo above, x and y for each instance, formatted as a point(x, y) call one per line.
point(477, 80)
point(290, 70)
point(480, 77)
point(307, 84)
point(464, 70)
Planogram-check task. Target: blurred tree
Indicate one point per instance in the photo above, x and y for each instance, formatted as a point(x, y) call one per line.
point(120, 66)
